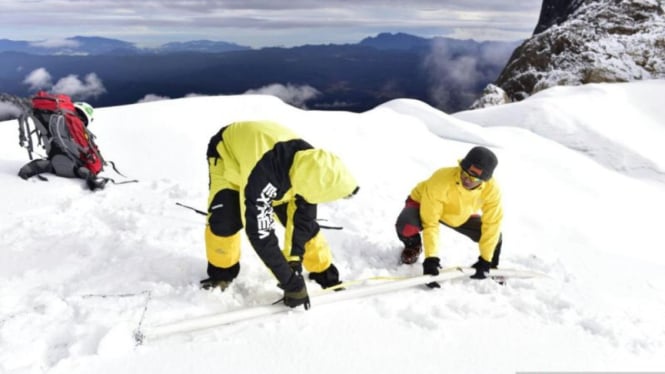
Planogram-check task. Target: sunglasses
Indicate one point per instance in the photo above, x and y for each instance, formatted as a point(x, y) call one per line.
point(472, 178)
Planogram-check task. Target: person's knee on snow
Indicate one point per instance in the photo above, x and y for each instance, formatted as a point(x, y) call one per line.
point(412, 248)
point(408, 228)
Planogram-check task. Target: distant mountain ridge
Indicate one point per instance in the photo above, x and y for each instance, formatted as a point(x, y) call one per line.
point(95, 45)
point(354, 77)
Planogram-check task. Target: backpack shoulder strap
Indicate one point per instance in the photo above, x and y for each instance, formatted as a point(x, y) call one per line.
point(61, 136)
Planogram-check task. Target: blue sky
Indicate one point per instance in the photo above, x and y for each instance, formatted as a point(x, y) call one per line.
point(261, 23)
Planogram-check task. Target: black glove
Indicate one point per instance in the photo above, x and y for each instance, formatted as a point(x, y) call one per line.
point(211, 284)
point(295, 292)
point(431, 266)
point(482, 268)
point(296, 266)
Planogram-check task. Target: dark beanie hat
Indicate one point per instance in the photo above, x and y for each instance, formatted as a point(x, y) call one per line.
point(480, 162)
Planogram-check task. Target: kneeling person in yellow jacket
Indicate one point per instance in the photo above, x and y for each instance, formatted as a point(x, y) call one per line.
point(258, 169)
point(453, 196)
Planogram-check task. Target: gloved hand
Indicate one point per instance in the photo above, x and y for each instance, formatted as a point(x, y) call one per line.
point(211, 284)
point(431, 266)
point(482, 268)
point(295, 291)
point(296, 266)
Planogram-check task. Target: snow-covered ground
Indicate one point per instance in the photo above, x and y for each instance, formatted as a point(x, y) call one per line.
point(583, 180)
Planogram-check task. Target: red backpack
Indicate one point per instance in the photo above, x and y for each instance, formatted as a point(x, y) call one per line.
point(60, 130)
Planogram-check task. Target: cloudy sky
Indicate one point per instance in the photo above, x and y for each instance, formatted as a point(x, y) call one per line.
point(260, 23)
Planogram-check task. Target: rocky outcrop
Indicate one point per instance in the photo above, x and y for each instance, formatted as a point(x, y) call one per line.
point(587, 41)
point(555, 12)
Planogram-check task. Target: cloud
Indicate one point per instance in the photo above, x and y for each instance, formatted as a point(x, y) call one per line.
point(92, 86)
point(294, 95)
point(8, 111)
point(448, 72)
point(56, 43)
point(153, 97)
point(38, 79)
point(70, 85)
point(268, 22)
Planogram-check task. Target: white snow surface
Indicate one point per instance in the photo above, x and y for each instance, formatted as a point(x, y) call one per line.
point(582, 177)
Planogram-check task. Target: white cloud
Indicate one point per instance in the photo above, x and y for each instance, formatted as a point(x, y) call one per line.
point(8, 110)
point(152, 97)
point(38, 79)
point(55, 43)
point(71, 85)
point(267, 23)
point(448, 72)
point(294, 95)
point(41, 79)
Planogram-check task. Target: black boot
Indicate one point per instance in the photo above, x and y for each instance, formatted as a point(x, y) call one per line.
point(220, 277)
point(327, 278)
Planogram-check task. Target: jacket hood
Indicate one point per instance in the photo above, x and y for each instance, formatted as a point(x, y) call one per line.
point(320, 176)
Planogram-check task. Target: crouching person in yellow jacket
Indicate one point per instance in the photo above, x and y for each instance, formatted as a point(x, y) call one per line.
point(261, 169)
point(453, 196)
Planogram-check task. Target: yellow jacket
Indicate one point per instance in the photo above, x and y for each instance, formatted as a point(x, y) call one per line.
point(442, 198)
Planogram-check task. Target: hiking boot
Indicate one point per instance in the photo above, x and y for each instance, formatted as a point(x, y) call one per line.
point(327, 278)
point(410, 254)
point(211, 284)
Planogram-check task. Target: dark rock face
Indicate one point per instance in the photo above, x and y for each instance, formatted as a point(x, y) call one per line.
point(588, 41)
point(555, 12)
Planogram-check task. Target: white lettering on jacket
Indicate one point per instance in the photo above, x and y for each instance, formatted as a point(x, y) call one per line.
point(264, 219)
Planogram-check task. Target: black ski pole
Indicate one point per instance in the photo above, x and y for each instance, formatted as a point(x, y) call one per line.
point(205, 214)
point(192, 208)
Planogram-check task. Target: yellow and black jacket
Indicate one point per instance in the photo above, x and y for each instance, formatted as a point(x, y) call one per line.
point(269, 165)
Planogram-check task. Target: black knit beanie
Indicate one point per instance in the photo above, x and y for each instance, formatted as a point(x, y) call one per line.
point(480, 162)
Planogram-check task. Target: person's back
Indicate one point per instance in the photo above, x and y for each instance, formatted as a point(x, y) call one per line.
point(246, 142)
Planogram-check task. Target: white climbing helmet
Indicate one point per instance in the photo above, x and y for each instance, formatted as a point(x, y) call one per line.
point(85, 111)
